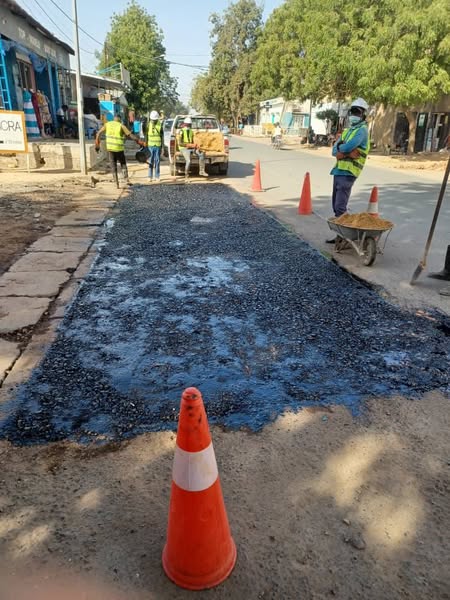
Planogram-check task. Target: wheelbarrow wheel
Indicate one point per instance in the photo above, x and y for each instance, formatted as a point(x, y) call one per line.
point(370, 251)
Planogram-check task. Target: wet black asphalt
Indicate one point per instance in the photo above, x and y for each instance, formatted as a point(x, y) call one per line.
point(196, 286)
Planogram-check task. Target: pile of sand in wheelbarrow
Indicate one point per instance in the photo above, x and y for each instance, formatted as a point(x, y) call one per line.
point(363, 221)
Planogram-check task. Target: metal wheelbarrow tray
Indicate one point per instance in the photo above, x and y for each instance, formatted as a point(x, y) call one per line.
point(365, 242)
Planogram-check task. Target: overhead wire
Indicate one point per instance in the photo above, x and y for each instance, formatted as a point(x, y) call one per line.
point(152, 59)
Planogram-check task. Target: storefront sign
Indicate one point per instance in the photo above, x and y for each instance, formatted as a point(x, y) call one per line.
point(17, 29)
point(13, 134)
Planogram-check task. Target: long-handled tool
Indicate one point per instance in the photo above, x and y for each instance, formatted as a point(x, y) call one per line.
point(421, 266)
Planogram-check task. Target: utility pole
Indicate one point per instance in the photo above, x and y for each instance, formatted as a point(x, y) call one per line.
point(83, 165)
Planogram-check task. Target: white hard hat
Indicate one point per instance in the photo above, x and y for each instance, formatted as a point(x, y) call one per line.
point(154, 116)
point(188, 121)
point(360, 103)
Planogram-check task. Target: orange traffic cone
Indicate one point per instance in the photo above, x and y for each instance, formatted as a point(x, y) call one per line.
point(372, 208)
point(305, 204)
point(256, 185)
point(200, 552)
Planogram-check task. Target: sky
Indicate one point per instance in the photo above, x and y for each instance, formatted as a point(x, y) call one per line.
point(175, 17)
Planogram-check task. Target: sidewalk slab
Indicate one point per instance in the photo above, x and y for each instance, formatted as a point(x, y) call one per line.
point(17, 313)
point(47, 261)
point(9, 352)
point(51, 243)
point(83, 217)
point(36, 283)
point(81, 231)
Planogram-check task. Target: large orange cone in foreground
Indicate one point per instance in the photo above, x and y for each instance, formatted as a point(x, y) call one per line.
point(256, 184)
point(305, 204)
point(200, 552)
point(372, 208)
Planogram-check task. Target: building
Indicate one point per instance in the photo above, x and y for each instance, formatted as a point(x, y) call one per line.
point(422, 128)
point(32, 61)
point(104, 96)
point(295, 117)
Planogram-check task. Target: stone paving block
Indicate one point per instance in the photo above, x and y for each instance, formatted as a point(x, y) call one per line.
point(80, 231)
point(83, 217)
point(47, 261)
point(29, 360)
point(85, 265)
point(16, 313)
point(51, 243)
point(9, 352)
point(35, 283)
point(64, 299)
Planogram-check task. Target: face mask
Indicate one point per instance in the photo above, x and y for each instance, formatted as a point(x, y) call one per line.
point(354, 119)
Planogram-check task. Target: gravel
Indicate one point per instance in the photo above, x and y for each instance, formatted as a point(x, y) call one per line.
point(196, 286)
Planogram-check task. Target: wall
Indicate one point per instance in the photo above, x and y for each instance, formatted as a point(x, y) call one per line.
point(17, 29)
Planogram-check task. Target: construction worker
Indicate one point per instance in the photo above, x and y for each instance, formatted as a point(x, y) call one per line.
point(187, 147)
point(155, 143)
point(351, 150)
point(116, 133)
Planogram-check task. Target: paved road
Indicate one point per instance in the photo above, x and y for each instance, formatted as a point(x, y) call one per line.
point(195, 286)
point(407, 199)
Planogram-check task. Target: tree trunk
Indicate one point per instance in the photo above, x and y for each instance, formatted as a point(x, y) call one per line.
point(412, 121)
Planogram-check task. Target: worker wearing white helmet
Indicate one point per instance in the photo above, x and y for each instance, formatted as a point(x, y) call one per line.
point(187, 146)
point(351, 150)
point(155, 143)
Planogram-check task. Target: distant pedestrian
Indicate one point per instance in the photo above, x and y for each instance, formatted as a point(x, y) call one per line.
point(351, 150)
point(116, 133)
point(155, 143)
point(241, 127)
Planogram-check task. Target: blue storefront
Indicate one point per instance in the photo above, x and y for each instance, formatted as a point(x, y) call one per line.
point(32, 62)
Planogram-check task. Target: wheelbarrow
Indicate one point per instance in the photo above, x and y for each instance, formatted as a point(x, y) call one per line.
point(365, 242)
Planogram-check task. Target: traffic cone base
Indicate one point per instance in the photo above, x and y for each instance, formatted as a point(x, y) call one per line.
point(256, 184)
point(305, 204)
point(372, 208)
point(200, 552)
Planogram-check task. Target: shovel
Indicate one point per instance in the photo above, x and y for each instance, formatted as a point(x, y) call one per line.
point(421, 266)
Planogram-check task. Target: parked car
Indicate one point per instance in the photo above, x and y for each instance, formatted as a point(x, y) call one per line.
point(204, 124)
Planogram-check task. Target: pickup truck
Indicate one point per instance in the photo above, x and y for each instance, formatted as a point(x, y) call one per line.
point(200, 124)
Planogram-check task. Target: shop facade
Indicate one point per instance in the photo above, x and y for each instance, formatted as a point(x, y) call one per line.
point(34, 70)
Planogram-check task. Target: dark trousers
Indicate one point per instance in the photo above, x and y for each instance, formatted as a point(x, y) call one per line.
point(342, 187)
point(113, 158)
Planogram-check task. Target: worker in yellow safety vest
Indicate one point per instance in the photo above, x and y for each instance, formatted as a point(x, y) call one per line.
point(351, 150)
point(116, 132)
point(187, 146)
point(155, 143)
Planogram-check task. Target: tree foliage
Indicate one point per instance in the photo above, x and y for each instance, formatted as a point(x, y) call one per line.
point(226, 88)
point(136, 41)
point(387, 51)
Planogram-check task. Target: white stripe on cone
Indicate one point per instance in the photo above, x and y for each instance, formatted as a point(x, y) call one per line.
point(195, 471)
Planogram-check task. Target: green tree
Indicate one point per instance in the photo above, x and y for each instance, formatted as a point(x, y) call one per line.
point(387, 51)
point(136, 41)
point(226, 88)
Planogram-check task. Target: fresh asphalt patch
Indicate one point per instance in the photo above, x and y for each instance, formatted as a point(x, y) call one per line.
point(194, 286)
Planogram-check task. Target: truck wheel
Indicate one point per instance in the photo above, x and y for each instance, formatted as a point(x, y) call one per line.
point(223, 168)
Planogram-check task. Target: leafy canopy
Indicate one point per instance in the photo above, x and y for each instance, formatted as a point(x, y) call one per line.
point(386, 51)
point(136, 41)
point(226, 88)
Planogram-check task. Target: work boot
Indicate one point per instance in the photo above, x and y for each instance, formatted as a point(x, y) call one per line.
point(445, 291)
point(331, 240)
point(203, 173)
point(445, 273)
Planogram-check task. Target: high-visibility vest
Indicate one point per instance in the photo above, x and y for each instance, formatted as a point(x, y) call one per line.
point(115, 137)
point(354, 165)
point(154, 134)
point(186, 137)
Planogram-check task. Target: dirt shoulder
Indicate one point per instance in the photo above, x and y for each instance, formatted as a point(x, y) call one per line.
point(320, 505)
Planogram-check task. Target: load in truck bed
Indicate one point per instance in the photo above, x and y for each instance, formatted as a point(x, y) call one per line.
point(209, 141)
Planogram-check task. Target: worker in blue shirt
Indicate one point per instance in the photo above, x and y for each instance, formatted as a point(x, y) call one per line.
point(351, 150)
